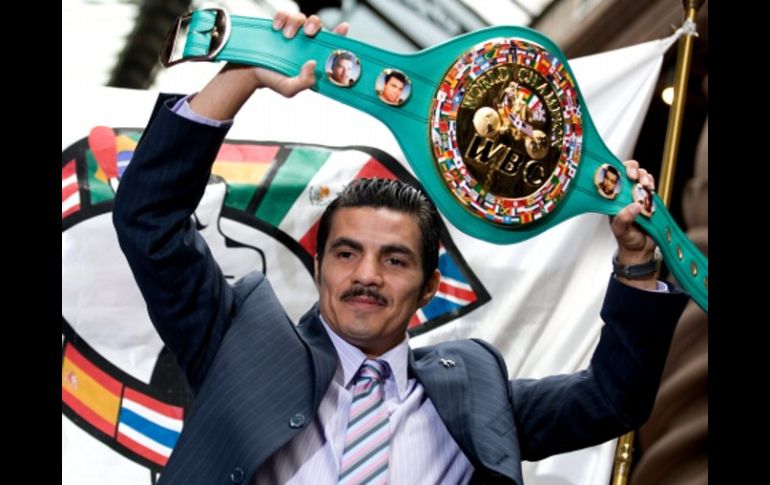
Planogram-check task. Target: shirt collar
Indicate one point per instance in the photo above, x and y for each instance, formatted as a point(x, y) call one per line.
point(351, 358)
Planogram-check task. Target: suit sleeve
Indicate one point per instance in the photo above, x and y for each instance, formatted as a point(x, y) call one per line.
point(187, 296)
point(616, 392)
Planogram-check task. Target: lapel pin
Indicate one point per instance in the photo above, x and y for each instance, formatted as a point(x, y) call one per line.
point(447, 363)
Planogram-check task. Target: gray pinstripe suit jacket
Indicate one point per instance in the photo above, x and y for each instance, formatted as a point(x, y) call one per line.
point(258, 379)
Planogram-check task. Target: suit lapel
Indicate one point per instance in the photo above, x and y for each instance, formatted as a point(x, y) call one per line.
point(445, 379)
point(322, 352)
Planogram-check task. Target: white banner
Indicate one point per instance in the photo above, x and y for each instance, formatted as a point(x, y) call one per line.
point(536, 301)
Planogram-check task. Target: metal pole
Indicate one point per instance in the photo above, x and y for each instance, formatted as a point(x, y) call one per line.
point(624, 450)
point(676, 115)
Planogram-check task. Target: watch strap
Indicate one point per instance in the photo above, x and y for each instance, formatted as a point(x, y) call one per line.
point(636, 271)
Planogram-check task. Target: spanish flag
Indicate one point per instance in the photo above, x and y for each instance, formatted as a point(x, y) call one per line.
point(89, 391)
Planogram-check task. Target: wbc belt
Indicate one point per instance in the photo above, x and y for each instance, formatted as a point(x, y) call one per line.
point(492, 122)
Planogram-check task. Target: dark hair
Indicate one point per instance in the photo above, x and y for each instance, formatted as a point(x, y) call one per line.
point(394, 195)
point(343, 55)
point(612, 170)
point(396, 74)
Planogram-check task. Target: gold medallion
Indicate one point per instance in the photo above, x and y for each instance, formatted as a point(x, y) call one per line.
point(508, 140)
point(506, 131)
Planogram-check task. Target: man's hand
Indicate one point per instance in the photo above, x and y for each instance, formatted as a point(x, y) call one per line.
point(291, 23)
point(224, 95)
point(634, 245)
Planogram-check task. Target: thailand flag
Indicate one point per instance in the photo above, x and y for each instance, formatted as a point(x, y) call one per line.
point(148, 427)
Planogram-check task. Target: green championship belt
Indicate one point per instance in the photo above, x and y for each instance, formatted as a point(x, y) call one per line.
point(492, 122)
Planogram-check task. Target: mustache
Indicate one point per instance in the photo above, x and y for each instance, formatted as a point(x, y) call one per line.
point(358, 290)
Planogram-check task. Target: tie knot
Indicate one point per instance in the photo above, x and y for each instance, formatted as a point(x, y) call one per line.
point(374, 369)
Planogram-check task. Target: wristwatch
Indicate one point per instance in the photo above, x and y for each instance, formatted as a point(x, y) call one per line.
point(636, 271)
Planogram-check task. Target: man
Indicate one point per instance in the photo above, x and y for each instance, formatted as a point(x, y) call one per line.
point(340, 398)
point(646, 202)
point(342, 72)
point(609, 181)
point(393, 88)
point(643, 196)
point(513, 108)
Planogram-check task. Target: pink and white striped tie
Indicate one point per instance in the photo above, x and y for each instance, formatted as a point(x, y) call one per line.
point(367, 441)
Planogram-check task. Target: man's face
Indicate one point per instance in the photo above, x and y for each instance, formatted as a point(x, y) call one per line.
point(342, 70)
point(370, 281)
point(392, 90)
point(647, 202)
point(609, 182)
